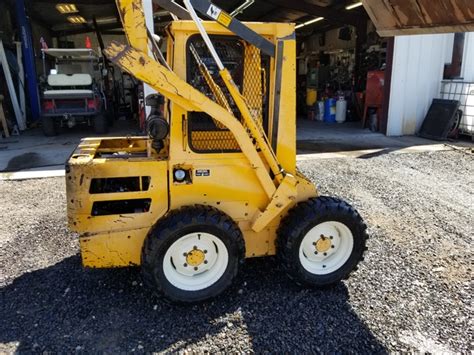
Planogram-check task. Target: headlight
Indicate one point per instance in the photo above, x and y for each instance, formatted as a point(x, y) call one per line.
point(179, 174)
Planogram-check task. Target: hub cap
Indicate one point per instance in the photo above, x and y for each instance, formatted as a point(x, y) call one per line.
point(326, 247)
point(195, 261)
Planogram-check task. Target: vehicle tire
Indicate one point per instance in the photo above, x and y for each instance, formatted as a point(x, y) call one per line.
point(193, 254)
point(321, 241)
point(49, 125)
point(101, 124)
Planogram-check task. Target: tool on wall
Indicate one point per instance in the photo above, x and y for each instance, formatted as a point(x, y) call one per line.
point(3, 120)
point(11, 88)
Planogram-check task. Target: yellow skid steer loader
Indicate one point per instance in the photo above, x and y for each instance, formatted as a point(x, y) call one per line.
point(215, 181)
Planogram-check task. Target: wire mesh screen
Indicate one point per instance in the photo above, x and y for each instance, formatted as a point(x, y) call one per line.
point(244, 62)
point(464, 93)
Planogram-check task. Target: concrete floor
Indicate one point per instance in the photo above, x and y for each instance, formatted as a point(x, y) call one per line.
point(33, 151)
point(323, 140)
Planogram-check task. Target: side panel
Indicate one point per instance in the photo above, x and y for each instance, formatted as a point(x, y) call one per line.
point(80, 201)
point(114, 238)
point(114, 249)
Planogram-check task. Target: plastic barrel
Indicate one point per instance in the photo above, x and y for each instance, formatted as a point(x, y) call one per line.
point(330, 111)
point(341, 109)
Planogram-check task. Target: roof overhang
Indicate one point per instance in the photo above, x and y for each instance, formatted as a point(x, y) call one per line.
point(408, 17)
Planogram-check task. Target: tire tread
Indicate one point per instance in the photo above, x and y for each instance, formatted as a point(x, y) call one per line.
point(299, 217)
point(173, 222)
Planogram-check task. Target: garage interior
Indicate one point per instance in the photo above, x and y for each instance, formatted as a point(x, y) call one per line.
point(343, 68)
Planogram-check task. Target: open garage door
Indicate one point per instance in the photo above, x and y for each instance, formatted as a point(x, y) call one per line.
point(405, 17)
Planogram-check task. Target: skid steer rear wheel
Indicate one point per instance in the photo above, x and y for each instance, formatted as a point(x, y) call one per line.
point(101, 124)
point(193, 254)
point(50, 126)
point(321, 241)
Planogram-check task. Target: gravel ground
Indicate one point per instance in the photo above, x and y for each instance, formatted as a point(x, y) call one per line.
point(412, 293)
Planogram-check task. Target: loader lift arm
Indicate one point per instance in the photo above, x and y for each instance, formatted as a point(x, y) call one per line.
point(279, 185)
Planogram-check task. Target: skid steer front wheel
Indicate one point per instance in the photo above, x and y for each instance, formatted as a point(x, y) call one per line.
point(193, 254)
point(321, 241)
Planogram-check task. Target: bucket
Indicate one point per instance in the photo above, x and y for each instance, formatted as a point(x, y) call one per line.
point(330, 111)
point(311, 96)
point(341, 109)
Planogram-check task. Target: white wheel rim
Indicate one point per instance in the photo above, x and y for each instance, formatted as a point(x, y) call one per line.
point(326, 248)
point(193, 273)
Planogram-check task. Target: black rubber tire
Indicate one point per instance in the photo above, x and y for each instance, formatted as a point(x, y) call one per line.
point(50, 126)
point(175, 225)
point(300, 220)
point(101, 124)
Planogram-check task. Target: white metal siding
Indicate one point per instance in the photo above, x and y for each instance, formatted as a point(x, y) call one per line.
point(468, 60)
point(418, 64)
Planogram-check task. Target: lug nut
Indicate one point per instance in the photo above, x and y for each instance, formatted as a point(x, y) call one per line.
point(205, 261)
point(195, 247)
point(185, 265)
point(185, 254)
point(195, 268)
point(205, 251)
point(315, 253)
point(331, 237)
point(332, 246)
point(324, 265)
point(314, 243)
point(325, 254)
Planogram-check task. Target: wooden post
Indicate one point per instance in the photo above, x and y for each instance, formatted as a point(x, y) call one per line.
point(3, 119)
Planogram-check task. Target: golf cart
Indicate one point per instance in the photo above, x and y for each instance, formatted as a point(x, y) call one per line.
point(73, 91)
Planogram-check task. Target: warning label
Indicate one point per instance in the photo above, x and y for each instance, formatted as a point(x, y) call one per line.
point(214, 12)
point(224, 19)
point(203, 172)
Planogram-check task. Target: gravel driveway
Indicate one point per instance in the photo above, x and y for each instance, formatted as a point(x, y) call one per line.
point(413, 292)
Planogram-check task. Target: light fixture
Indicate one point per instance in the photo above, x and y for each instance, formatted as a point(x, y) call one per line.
point(76, 19)
point(66, 8)
point(354, 5)
point(317, 19)
point(242, 7)
point(179, 174)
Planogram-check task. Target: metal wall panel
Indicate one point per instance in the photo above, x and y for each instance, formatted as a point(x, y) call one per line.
point(418, 65)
